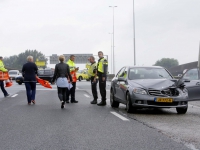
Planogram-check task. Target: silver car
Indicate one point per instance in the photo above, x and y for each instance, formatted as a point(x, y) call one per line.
point(148, 87)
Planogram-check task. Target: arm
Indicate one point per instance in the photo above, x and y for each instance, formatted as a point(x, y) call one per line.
point(68, 72)
point(105, 68)
point(55, 73)
point(2, 67)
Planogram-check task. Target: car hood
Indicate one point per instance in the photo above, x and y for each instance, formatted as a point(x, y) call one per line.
point(152, 83)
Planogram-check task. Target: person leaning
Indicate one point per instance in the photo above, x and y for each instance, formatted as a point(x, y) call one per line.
point(3, 69)
point(63, 79)
point(73, 71)
point(29, 72)
point(92, 73)
point(102, 67)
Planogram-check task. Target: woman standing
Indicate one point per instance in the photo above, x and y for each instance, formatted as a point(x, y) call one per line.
point(29, 71)
point(63, 78)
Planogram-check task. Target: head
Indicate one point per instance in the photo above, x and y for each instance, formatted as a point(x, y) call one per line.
point(1, 58)
point(100, 54)
point(72, 57)
point(30, 58)
point(92, 59)
point(61, 58)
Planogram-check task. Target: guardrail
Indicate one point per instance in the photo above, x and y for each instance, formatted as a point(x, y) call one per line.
point(110, 77)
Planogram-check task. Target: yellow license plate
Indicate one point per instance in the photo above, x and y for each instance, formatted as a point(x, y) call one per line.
point(165, 100)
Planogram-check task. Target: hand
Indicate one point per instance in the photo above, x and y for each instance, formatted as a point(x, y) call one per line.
point(103, 78)
point(53, 83)
point(94, 80)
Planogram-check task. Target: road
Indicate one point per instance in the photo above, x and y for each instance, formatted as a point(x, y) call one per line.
point(85, 126)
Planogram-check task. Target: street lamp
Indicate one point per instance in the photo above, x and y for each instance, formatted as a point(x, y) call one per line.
point(111, 54)
point(113, 41)
point(134, 34)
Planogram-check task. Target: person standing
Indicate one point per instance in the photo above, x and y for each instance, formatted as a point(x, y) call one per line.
point(92, 73)
point(29, 72)
point(73, 71)
point(102, 67)
point(3, 69)
point(63, 78)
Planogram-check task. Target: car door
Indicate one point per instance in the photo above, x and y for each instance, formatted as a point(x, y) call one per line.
point(193, 86)
point(116, 83)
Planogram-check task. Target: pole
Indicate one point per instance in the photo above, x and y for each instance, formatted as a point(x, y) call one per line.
point(111, 55)
point(134, 34)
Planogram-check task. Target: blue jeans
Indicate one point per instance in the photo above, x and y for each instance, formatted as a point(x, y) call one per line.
point(2, 88)
point(30, 90)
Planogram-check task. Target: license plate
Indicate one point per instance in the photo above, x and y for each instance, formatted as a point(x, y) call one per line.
point(165, 100)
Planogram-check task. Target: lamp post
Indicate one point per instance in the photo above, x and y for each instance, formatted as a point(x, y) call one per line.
point(134, 34)
point(111, 64)
point(113, 41)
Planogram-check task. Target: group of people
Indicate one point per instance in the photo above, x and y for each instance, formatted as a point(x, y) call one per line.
point(65, 79)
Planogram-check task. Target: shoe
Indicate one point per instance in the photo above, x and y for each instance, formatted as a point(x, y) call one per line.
point(74, 101)
point(7, 95)
point(102, 103)
point(67, 101)
point(62, 104)
point(33, 101)
point(29, 103)
point(93, 102)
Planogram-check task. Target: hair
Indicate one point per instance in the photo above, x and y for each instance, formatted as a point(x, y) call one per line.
point(29, 58)
point(100, 52)
point(72, 56)
point(1, 57)
point(92, 57)
point(61, 58)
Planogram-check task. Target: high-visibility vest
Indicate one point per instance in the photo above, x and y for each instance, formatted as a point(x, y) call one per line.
point(91, 69)
point(101, 64)
point(4, 75)
point(2, 68)
point(72, 68)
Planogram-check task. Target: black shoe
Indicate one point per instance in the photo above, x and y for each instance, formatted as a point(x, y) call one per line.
point(102, 103)
point(7, 95)
point(62, 104)
point(93, 102)
point(74, 101)
point(67, 101)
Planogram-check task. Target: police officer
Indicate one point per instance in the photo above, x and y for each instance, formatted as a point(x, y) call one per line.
point(92, 73)
point(73, 71)
point(102, 67)
point(3, 69)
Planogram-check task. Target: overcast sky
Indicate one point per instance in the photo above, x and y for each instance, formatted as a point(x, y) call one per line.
point(164, 28)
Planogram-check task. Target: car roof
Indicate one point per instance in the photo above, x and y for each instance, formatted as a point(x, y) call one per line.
point(143, 67)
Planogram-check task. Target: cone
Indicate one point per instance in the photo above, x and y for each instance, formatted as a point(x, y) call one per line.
point(8, 83)
point(44, 83)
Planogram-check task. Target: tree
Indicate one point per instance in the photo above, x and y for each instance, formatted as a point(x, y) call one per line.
point(167, 62)
point(17, 61)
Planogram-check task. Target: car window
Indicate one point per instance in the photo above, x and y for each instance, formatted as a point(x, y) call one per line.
point(120, 73)
point(148, 73)
point(191, 74)
point(12, 72)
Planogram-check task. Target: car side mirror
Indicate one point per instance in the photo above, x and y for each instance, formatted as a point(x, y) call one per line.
point(121, 79)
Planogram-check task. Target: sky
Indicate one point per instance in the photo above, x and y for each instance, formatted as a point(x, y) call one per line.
point(163, 29)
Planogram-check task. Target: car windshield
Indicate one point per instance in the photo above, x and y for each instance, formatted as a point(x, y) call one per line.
point(148, 73)
point(45, 72)
point(12, 72)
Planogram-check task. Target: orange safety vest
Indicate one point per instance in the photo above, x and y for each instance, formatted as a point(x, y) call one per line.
point(4, 75)
point(73, 74)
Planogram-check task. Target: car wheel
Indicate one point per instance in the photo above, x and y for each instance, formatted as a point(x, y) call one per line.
point(181, 110)
point(80, 78)
point(113, 103)
point(20, 83)
point(129, 107)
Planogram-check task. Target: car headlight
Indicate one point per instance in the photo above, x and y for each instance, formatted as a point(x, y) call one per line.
point(139, 91)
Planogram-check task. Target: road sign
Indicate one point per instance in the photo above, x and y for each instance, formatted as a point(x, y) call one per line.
point(40, 63)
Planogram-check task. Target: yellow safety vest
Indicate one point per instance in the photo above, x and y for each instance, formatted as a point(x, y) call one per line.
point(71, 64)
point(91, 69)
point(101, 64)
point(2, 68)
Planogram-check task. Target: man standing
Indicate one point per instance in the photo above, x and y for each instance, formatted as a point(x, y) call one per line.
point(3, 69)
point(73, 70)
point(102, 67)
point(92, 73)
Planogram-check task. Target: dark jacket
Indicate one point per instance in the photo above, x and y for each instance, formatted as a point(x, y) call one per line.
point(61, 70)
point(29, 71)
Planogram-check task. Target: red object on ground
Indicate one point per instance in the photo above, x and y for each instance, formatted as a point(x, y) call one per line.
point(44, 83)
point(4, 76)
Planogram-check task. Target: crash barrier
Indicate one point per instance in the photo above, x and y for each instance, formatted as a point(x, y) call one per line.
point(110, 77)
point(4, 76)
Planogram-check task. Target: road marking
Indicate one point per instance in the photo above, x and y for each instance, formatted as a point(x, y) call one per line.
point(119, 116)
point(14, 95)
point(77, 88)
point(86, 95)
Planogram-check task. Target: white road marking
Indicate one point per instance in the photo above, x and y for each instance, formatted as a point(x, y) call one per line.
point(14, 95)
point(119, 116)
point(86, 95)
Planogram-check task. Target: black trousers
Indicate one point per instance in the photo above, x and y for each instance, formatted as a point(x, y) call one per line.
point(62, 92)
point(2, 88)
point(72, 92)
point(94, 88)
point(102, 88)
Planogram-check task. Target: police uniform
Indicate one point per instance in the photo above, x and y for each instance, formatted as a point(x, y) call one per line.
point(92, 68)
point(102, 67)
point(72, 68)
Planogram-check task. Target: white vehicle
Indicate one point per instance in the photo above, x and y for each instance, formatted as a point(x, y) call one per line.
point(14, 73)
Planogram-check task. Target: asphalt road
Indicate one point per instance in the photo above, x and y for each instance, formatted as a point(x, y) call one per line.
point(84, 126)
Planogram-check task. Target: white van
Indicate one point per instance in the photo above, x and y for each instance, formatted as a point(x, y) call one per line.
point(14, 73)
